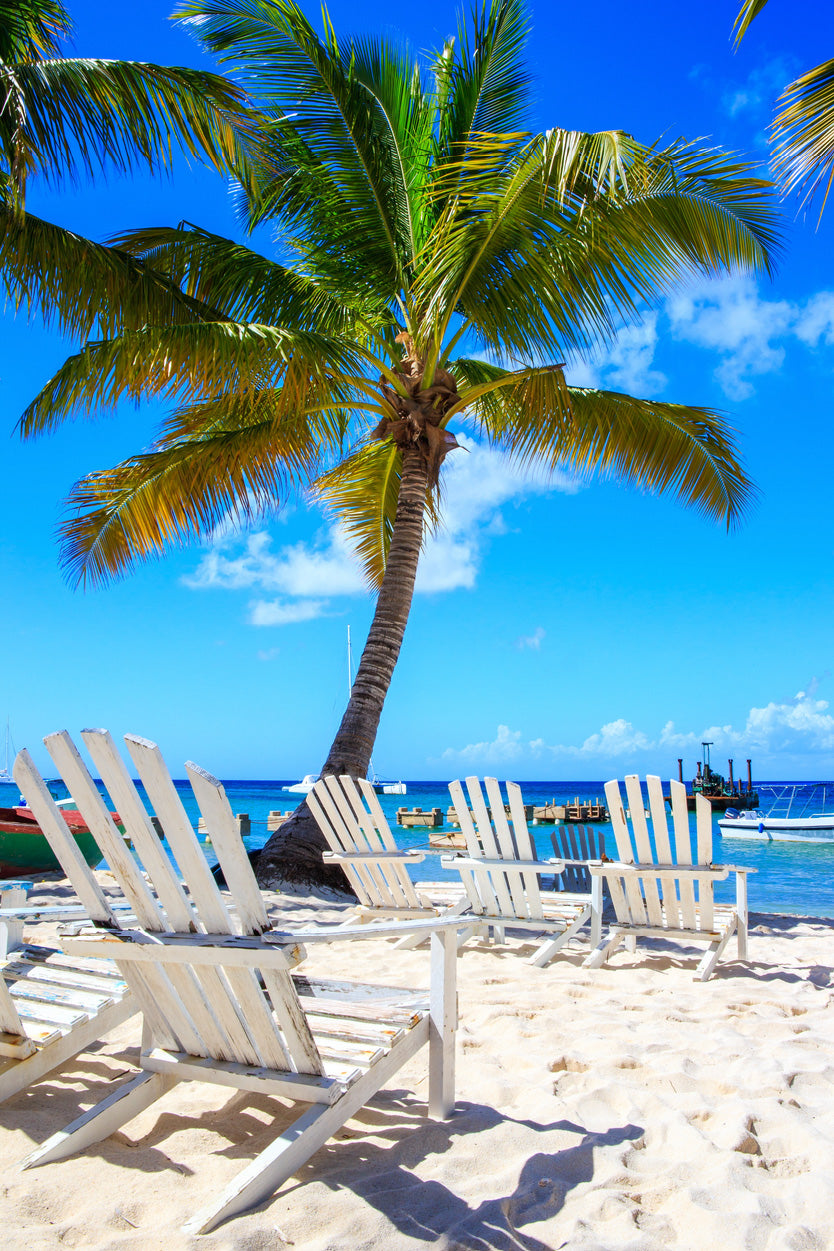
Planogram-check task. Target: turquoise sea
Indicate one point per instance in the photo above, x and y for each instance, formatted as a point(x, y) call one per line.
point(795, 878)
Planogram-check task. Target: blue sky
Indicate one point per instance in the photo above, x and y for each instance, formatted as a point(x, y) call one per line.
point(559, 630)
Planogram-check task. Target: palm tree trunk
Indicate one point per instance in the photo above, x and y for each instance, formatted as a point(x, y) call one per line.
point(293, 853)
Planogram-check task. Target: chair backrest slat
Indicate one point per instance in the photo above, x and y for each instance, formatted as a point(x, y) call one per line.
point(179, 832)
point(113, 847)
point(480, 894)
point(120, 788)
point(668, 885)
point(228, 846)
point(214, 805)
point(625, 890)
point(703, 828)
point(368, 831)
point(487, 883)
point(526, 851)
point(48, 816)
point(643, 847)
point(576, 842)
point(683, 850)
point(506, 847)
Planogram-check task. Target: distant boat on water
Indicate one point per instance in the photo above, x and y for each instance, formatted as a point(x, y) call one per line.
point(304, 786)
point(6, 778)
point(796, 814)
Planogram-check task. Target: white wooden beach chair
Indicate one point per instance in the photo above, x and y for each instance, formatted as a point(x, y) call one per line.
point(661, 893)
point(576, 845)
point(215, 987)
point(501, 874)
point(51, 1006)
point(351, 819)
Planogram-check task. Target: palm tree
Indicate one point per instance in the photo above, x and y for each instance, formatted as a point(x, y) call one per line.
point(803, 133)
point(437, 264)
point(65, 118)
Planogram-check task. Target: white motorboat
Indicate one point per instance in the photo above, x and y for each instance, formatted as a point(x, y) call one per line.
point(304, 786)
point(795, 815)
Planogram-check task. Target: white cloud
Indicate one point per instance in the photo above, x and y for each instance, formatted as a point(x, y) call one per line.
point(728, 316)
point(506, 746)
point(531, 641)
point(626, 365)
point(780, 733)
point(760, 87)
point(263, 612)
point(324, 567)
point(306, 576)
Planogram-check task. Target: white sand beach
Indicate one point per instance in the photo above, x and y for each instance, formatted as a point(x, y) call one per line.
point(625, 1108)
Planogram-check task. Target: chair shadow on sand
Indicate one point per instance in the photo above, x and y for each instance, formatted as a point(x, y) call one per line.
point(374, 1156)
point(428, 1210)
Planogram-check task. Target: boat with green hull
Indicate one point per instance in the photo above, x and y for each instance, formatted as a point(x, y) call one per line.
point(24, 848)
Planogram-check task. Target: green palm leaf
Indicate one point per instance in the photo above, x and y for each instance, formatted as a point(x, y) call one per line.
point(214, 461)
point(804, 134)
point(675, 449)
point(189, 364)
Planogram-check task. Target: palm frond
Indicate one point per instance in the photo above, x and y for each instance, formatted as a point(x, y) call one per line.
point(482, 81)
point(576, 233)
point(748, 11)
point(78, 116)
point(237, 281)
point(82, 287)
point(804, 134)
point(190, 364)
point(214, 461)
point(329, 128)
point(687, 452)
point(362, 492)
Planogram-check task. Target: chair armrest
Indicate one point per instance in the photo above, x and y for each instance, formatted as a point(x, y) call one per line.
point(373, 857)
point(528, 866)
point(376, 929)
point(618, 868)
point(55, 912)
point(739, 868)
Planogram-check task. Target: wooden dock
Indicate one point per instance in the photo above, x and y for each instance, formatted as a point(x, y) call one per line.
point(581, 811)
point(411, 817)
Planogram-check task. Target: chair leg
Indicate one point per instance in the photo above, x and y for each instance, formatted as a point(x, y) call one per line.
point(605, 949)
point(711, 956)
point(104, 1119)
point(286, 1154)
point(552, 946)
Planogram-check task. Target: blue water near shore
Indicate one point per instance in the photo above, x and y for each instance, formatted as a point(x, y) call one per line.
point(794, 878)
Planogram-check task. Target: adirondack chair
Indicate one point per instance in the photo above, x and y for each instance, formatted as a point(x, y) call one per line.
point(349, 816)
point(215, 987)
point(576, 845)
point(501, 874)
point(660, 893)
point(51, 1006)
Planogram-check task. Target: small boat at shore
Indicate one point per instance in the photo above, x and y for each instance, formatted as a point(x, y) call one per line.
point(24, 848)
point(796, 815)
